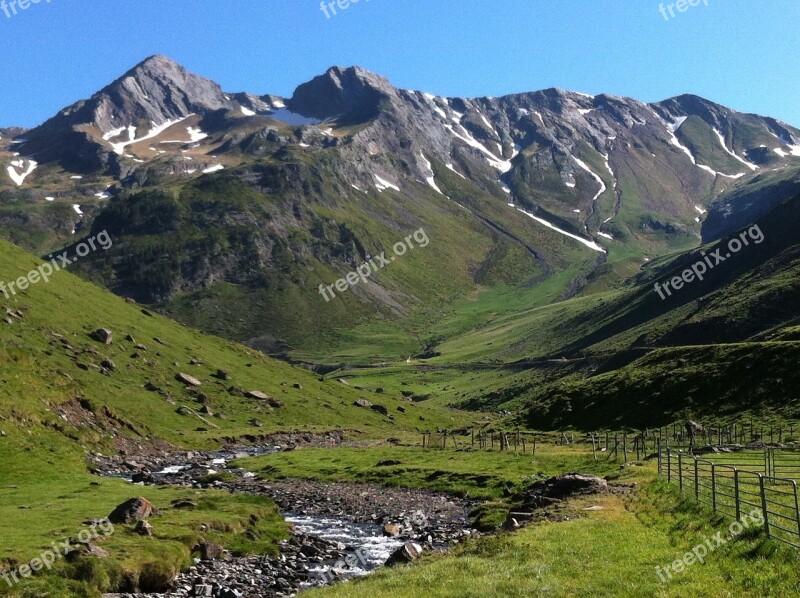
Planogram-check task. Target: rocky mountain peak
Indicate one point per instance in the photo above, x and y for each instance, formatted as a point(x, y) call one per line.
point(352, 94)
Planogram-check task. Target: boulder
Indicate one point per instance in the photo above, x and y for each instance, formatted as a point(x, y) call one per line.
point(102, 335)
point(380, 409)
point(143, 528)
point(211, 552)
point(391, 530)
point(188, 380)
point(134, 509)
point(363, 403)
point(408, 552)
point(257, 394)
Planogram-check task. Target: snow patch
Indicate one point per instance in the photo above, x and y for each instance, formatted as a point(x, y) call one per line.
point(382, 184)
point(215, 168)
point(113, 133)
point(292, 118)
point(77, 209)
point(606, 235)
point(589, 244)
point(677, 124)
point(155, 131)
point(196, 134)
point(19, 176)
point(699, 209)
point(247, 111)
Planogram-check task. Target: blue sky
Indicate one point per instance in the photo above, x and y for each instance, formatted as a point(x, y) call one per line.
point(736, 52)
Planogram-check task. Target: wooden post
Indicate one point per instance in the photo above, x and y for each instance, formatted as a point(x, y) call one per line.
point(534, 447)
point(523, 444)
point(606, 440)
point(625, 445)
point(594, 448)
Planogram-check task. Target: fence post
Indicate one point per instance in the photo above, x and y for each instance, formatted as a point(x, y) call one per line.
point(764, 504)
point(796, 506)
point(669, 464)
point(696, 485)
point(680, 471)
point(713, 487)
point(658, 453)
point(736, 493)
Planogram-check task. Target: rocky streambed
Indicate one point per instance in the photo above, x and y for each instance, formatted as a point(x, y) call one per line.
point(340, 530)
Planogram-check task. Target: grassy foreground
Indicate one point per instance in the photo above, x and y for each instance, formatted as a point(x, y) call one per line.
point(609, 552)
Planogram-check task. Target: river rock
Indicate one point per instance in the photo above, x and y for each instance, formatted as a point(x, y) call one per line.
point(391, 530)
point(408, 552)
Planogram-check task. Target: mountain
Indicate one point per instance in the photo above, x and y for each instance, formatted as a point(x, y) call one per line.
point(229, 210)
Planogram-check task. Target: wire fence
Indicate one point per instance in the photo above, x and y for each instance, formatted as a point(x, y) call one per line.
point(733, 483)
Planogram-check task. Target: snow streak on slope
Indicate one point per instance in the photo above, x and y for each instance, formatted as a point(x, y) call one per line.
point(494, 161)
point(382, 184)
point(582, 164)
point(750, 165)
point(672, 128)
point(119, 148)
point(430, 179)
point(451, 167)
point(589, 244)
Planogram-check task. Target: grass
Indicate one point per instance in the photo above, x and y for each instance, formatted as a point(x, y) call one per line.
point(49, 503)
point(608, 552)
point(53, 412)
point(484, 475)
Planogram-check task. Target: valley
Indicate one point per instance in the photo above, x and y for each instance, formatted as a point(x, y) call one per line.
point(284, 328)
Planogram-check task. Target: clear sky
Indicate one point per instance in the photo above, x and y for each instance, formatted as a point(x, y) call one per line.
point(740, 53)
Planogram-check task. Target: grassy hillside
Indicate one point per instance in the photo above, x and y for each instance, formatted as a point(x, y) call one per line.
point(63, 394)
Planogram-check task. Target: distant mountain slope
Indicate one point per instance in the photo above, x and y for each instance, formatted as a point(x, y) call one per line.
point(541, 186)
point(112, 396)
